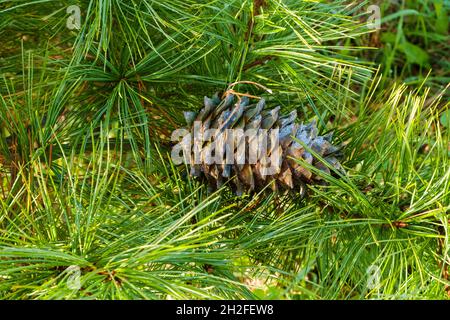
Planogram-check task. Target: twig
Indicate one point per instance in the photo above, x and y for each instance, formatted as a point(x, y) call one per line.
point(258, 62)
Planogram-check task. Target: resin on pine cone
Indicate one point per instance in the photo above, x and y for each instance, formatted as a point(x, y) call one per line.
point(246, 160)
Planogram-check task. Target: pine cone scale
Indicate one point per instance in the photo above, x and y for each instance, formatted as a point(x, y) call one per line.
point(287, 171)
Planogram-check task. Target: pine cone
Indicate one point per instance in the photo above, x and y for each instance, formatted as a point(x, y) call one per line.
point(220, 116)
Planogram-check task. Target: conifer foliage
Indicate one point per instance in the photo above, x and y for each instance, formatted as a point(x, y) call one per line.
point(92, 205)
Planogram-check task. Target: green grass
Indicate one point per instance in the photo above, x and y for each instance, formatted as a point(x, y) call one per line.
point(414, 40)
point(86, 178)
